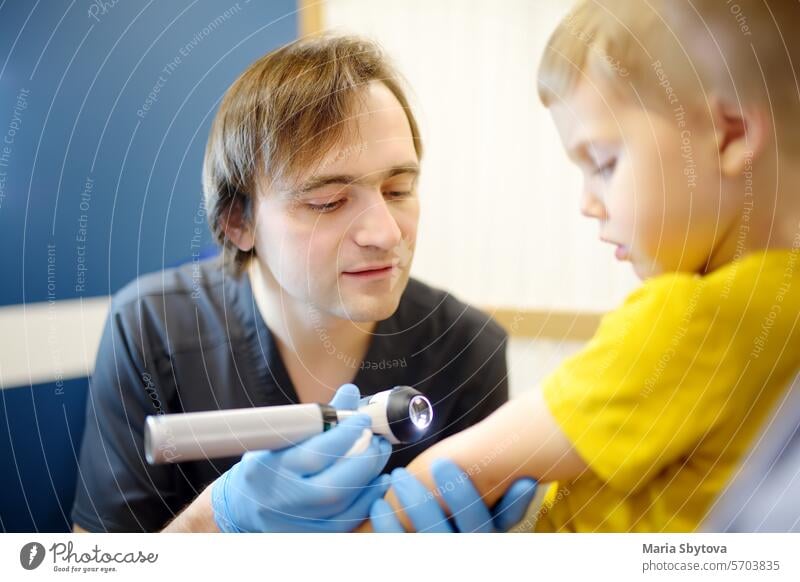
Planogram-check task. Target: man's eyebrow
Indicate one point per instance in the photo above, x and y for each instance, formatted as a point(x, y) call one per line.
point(344, 179)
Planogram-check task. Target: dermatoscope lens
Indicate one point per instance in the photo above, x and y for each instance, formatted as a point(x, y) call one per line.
point(420, 412)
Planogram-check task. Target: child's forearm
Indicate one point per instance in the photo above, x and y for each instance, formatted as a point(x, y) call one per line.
point(520, 439)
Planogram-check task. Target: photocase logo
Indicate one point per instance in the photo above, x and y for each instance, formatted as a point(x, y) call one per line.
point(31, 555)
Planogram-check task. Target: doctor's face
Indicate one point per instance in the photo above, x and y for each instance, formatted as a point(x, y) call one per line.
point(341, 237)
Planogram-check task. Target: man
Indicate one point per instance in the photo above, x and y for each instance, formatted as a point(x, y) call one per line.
point(310, 186)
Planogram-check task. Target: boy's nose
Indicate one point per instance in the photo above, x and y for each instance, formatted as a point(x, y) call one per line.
point(592, 206)
point(377, 227)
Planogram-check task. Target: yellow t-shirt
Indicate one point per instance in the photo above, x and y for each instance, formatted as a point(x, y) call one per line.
point(665, 399)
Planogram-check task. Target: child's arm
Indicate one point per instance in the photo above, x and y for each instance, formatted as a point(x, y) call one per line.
point(520, 439)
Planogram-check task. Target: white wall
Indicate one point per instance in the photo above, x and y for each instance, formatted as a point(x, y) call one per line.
point(530, 361)
point(500, 222)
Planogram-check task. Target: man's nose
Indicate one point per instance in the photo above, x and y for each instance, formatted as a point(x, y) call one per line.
point(376, 226)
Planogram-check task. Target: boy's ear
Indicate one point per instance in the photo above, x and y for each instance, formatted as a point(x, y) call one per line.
point(741, 132)
point(236, 226)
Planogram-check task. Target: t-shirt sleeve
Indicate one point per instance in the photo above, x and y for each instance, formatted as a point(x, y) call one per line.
point(648, 387)
point(117, 490)
point(483, 373)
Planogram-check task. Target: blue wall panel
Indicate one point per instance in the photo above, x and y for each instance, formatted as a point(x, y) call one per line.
point(108, 117)
point(39, 443)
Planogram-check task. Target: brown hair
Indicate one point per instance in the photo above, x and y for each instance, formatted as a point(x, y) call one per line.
point(282, 116)
point(697, 46)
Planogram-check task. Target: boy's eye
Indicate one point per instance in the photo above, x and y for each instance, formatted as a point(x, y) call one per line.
point(606, 169)
point(394, 194)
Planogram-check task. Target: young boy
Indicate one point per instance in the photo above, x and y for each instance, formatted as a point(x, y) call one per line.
point(682, 119)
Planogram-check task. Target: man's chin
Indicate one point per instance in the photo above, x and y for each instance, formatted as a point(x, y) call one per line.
point(368, 306)
point(369, 309)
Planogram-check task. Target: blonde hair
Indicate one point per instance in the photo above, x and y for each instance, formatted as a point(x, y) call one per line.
point(282, 116)
point(694, 47)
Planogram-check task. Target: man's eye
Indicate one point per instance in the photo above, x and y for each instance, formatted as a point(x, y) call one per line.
point(325, 208)
point(606, 169)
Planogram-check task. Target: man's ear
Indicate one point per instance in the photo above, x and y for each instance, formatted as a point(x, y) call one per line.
point(741, 131)
point(238, 229)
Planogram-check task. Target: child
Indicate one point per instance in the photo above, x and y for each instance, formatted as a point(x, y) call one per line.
point(682, 119)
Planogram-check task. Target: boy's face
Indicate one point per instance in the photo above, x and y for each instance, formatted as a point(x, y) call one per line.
point(652, 183)
point(342, 238)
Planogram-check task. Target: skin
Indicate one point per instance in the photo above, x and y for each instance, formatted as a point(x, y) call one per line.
point(359, 208)
point(635, 187)
point(635, 184)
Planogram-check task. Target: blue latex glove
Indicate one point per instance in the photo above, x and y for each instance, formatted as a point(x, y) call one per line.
point(468, 510)
point(303, 488)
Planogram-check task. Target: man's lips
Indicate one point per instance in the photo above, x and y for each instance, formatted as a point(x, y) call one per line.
point(371, 271)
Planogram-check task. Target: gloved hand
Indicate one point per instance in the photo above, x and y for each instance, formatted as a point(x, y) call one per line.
point(468, 510)
point(303, 488)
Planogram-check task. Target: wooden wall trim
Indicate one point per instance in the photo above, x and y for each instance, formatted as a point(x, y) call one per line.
point(546, 324)
point(310, 17)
